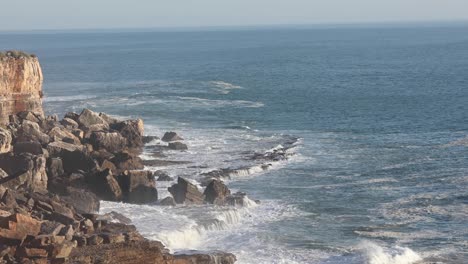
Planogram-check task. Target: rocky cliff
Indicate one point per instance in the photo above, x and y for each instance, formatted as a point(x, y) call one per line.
point(20, 84)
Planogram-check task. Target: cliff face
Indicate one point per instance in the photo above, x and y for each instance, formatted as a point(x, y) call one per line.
point(20, 84)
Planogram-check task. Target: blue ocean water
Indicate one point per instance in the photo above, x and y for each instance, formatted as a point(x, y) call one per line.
point(379, 172)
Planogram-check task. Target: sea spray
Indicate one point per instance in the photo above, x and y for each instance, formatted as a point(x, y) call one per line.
point(376, 254)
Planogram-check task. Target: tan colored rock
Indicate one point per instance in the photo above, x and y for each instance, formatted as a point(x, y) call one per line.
point(5, 140)
point(20, 84)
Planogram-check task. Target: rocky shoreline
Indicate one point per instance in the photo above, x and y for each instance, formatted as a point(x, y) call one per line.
point(54, 172)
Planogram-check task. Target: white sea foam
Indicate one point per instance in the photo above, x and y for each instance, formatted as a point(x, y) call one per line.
point(224, 87)
point(67, 98)
point(376, 254)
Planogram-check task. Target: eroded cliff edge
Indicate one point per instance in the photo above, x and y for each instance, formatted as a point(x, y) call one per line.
point(20, 84)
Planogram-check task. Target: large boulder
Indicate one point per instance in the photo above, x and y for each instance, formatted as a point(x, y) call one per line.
point(82, 200)
point(110, 141)
point(5, 140)
point(25, 171)
point(186, 192)
point(138, 187)
point(34, 148)
point(69, 123)
point(216, 192)
point(88, 118)
point(171, 136)
point(58, 148)
point(15, 229)
point(127, 161)
point(105, 185)
point(61, 134)
point(132, 131)
point(30, 131)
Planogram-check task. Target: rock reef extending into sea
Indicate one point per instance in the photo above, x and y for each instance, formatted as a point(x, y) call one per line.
point(54, 172)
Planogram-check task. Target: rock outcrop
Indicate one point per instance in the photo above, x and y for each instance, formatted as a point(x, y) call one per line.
point(20, 84)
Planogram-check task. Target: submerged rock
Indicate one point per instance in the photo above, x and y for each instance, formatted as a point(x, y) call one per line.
point(177, 146)
point(216, 192)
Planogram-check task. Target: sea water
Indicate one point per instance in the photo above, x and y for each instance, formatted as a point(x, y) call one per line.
point(376, 118)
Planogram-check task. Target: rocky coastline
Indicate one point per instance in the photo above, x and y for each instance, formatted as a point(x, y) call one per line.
point(54, 172)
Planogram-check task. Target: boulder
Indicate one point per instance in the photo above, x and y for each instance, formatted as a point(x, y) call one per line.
point(236, 199)
point(216, 192)
point(5, 140)
point(34, 148)
point(138, 186)
point(177, 146)
point(148, 139)
point(72, 115)
point(28, 115)
point(84, 201)
point(54, 168)
point(171, 136)
point(77, 160)
point(57, 148)
point(132, 131)
point(69, 123)
point(15, 228)
point(105, 186)
point(88, 118)
point(61, 134)
point(25, 171)
point(127, 161)
point(186, 192)
point(110, 141)
point(30, 131)
point(106, 164)
point(110, 120)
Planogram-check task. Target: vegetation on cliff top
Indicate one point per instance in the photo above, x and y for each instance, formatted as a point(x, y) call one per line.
point(16, 54)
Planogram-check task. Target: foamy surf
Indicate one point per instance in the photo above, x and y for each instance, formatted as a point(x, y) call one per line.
point(375, 254)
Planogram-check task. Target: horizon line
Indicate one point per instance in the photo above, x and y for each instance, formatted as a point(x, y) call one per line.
point(245, 27)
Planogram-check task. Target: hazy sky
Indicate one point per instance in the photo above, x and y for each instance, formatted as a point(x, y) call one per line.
point(84, 14)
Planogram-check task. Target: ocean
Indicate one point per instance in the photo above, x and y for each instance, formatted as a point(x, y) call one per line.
point(375, 119)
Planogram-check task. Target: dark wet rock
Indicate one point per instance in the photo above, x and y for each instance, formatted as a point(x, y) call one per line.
point(72, 115)
point(168, 201)
point(138, 187)
point(110, 141)
point(34, 148)
point(88, 118)
point(77, 160)
point(216, 192)
point(148, 139)
point(171, 136)
point(177, 146)
point(105, 185)
point(162, 176)
point(186, 192)
point(236, 199)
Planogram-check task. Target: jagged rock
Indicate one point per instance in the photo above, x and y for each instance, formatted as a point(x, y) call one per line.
point(162, 176)
point(72, 115)
point(115, 217)
point(138, 187)
point(126, 161)
point(87, 118)
point(109, 238)
point(186, 192)
point(30, 131)
point(236, 199)
point(30, 116)
point(168, 201)
point(57, 148)
point(60, 134)
point(15, 228)
point(27, 171)
point(177, 146)
point(171, 136)
point(110, 120)
point(78, 133)
point(51, 228)
point(105, 186)
point(54, 168)
point(8, 198)
point(69, 123)
point(216, 192)
point(132, 131)
point(5, 140)
point(106, 164)
point(77, 160)
point(34, 148)
point(110, 141)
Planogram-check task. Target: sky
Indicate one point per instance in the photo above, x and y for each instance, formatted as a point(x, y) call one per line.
point(109, 14)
